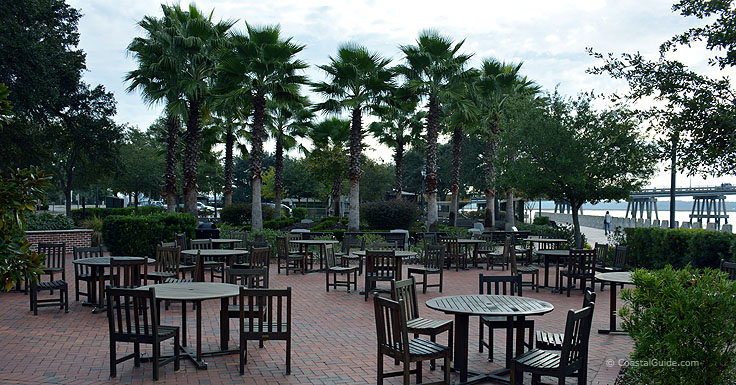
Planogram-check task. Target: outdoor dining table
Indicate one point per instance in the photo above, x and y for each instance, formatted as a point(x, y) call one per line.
point(466, 243)
point(557, 255)
point(614, 278)
point(514, 308)
point(322, 243)
point(197, 292)
point(222, 254)
point(98, 265)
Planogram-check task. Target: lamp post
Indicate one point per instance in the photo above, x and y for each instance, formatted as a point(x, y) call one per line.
point(424, 176)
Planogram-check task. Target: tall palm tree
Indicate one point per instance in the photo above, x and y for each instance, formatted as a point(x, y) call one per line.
point(230, 123)
point(498, 81)
point(286, 121)
point(400, 125)
point(432, 69)
point(357, 78)
point(262, 65)
point(331, 138)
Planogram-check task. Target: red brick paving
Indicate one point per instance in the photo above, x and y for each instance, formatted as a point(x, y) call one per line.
point(333, 340)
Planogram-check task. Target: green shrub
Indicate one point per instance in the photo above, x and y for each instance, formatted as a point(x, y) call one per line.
point(279, 223)
point(240, 213)
point(269, 235)
point(654, 248)
point(455, 231)
point(681, 316)
point(138, 235)
point(371, 239)
point(103, 213)
point(48, 221)
point(560, 230)
point(95, 224)
point(389, 215)
point(542, 221)
point(299, 213)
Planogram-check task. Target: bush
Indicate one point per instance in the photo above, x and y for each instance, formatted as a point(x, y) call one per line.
point(138, 235)
point(103, 213)
point(542, 221)
point(561, 231)
point(95, 224)
point(299, 213)
point(654, 248)
point(681, 316)
point(279, 223)
point(389, 215)
point(240, 213)
point(48, 221)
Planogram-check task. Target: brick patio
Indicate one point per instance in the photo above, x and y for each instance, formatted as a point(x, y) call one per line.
point(334, 340)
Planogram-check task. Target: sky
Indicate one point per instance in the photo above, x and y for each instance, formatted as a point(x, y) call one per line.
point(549, 37)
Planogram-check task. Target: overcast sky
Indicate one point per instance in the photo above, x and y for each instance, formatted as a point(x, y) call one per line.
point(550, 37)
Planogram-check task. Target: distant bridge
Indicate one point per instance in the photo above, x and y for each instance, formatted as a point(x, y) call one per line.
point(708, 202)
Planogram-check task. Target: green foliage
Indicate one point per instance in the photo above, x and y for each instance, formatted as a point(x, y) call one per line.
point(141, 167)
point(330, 223)
point(561, 230)
point(455, 231)
point(48, 221)
point(654, 248)
point(95, 223)
point(542, 221)
point(681, 316)
point(269, 235)
point(299, 213)
point(138, 235)
point(389, 215)
point(371, 239)
point(278, 223)
point(103, 213)
point(239, 214)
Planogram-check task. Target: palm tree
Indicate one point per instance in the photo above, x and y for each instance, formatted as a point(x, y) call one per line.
point(286, 121)
point(230, 129)
point(433, 68)
point(497, 82)
point(357, 78)
point(401, 124)
point(262, 65)
point(327, 161)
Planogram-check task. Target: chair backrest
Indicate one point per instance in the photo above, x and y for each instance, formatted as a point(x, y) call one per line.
point(198, 275)
point(55, 255)
point(729, 268)
point(168, 259)
point(399, 239)
point(509, 254)
point(406, 290)
point(259, 256)
point(430, 238)
point(350, 242)
point(488, 244)
point(501, 284)
point(132, 313)
point(601, 252)
point(383, 246)
point(547, 245)
point(241, 235)
point(498, 237)
point(293, 247)
point(128, 272)
point(201, 244)
point(381, 263)
point(620, 257)
point(391, 332)
point(267, 310)
point(582, 261)
point(577, 334)
point(452, 245)
point(168, 244)
point(251, 278)
point(434, 256)
point(282, 247)
point(330, 258)
point(181, 240)
point(85, 252)
point(588, 298)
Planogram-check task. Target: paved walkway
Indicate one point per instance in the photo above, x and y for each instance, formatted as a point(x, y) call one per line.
point(334, 340)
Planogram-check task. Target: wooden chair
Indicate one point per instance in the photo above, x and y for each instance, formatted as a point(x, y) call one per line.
point(350, 242)
point(133, 318)
point(384, 246)
point(259, 257)
point(581, 266)
point(243, 237)
point(127, 273)
point(393, 341)
point(452, 251)
point(546, 246)
point(434, 263)
point(288, 260)
point(335, 269)
point(406, 290)
point(620, 259)
point(571, 361)
point(268, 317)
point(215, 265)
point(251, 278)
point(489, 251)
point(398, 239)
point(84, 272)
point(430, 238)
point(729, 268)
point(168, 244)
point(499, 285)
point(54, 259)
point(380, 265)
point(523, 270)
point(181, 240)
point(553, 341)
point(168, 262)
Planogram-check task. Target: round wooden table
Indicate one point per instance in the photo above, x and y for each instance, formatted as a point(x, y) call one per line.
point(306, 243)
point(197, 292)
point(514, 308)
point(615, 279)
point(97, 265)
point(557, 255)
point(226, 254)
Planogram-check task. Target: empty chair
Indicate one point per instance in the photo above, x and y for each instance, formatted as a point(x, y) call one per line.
point(380, 265)
point(168, 264)
point(499, 285)
point(349, 243)
point(265, 314)
point(452, 252)
point(489, 250)
point(133, 318)
point(393, 341)
point(434, 263)
point(168, 244)
point(335, 269)
point(287, 259)
point(620, 258)
point(398, 239)
point(259, 257)
point(581, 267)
point(214, 264)
point(242, 236)
point(54, 259)
point(84, 272)
point(523, 270)
point(553, 341)
point(127, 272)
point(54, 262)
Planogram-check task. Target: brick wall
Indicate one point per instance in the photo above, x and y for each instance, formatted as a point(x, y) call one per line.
point(72, 238)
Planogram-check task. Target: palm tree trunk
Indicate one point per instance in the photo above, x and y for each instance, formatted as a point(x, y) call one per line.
point(191, 158)
point(278, 178)
point(356, 144)
point(336, 192)
point(399, 165)
point(432, 179)
point(490, 168)
point(457, 159)
point(172, 137)
point(256, 153)
point(510, 209)
point(229, 143)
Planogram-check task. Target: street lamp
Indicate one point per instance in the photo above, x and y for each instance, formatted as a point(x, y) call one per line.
point(421, 193)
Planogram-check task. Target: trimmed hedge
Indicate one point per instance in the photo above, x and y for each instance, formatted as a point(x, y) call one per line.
point(389, 215)
point(655, 248)
point(48, 221)
point(103, 213)
point(138, 235)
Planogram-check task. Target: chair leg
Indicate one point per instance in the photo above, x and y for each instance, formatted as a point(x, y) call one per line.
point(66, 303)
point(241, 355)
point(419, 372)
point(516, 375)
point(379, 369)
point(156, 358)
point(407, 373)
point(113, 358)
point(569, 284)
point(176, 350)
point(288, 355)
point(136, 355)
point(432, 338)
point(441, 283)
point(490, 344)
point(424, 284)
point(536, 379)
point(480, 336)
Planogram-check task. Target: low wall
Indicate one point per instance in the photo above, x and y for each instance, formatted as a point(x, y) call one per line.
point(596, 222)
point(72, 238)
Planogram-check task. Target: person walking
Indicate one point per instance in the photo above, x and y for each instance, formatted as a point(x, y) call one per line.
point(607, 223)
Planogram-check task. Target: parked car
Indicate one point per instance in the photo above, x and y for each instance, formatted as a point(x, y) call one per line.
point(284, 208)
point(201, 208)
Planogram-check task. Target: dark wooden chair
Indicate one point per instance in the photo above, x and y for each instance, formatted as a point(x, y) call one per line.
point(393, 341)
point(521, 269)
point(54, 259)
point(620, 259)
point(215, 265)
point(488, 250)
point(499, 285)
point(168, 244)
point(265, 314)
point(452, 252)
point(580, 267)
point(288, 260)
point(729, 268)
point(430, 238)
point(259, 257)
point(380, 266)
point(54, 262)
point(384, 246)
point(251, 278)
point(83, 273)
point(168, 264)
point(553, 341)
point(349, 243)
point(398, 239)
point(571, 361)
point(406, 290)
point(133, 318)
point(434, 263)
point(545, 246)
point(181, 241)
point(334, 268)
point(127, 273)
point(242, 236)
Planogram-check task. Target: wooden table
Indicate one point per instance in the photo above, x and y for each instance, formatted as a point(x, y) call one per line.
point(228, 242)
point(467, 243)
point(226, 254)
point(98, 264)
point(614, 278)
point(514, 308)
point(557, 255)
point(540, 240)
point(306, 243)
point(197, 292)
